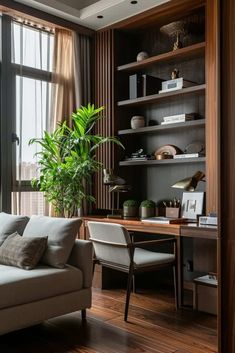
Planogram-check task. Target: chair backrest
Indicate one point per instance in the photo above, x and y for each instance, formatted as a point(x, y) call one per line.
point(110, 242)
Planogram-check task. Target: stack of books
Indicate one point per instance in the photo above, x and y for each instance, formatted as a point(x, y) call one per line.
point(164, 220)
point(179, 118)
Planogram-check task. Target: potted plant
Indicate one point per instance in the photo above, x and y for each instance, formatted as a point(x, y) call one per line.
point(67, 160)
point(130, 208)
point(147, 209)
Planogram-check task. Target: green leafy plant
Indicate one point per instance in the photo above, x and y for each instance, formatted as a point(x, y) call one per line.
point(67, 160)
point(130, 203)
point(147, 204)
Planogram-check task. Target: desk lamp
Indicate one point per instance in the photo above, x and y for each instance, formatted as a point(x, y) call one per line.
point(116, 185)
point(190, 183)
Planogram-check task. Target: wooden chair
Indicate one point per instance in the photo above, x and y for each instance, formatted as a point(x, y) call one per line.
point(115, 249)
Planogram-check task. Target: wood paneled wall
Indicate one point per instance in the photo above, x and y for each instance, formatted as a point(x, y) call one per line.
point(228, 175)
point(104, 96)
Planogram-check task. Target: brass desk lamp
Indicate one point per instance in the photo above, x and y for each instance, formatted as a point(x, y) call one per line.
point(116, 185)
point(190, 183)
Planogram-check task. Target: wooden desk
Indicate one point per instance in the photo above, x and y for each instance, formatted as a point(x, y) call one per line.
point(177, 230)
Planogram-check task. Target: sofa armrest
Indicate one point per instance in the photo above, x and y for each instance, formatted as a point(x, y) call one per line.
point(82, 258)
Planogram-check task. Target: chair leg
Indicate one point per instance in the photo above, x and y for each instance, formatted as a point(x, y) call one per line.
point(176, 287)
point(128, 291)
point(83, 314)
point(133, 284)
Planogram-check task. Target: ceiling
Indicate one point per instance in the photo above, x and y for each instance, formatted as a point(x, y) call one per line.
point(86, 12)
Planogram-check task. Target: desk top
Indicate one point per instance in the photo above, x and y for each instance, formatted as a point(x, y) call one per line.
point(135, 225)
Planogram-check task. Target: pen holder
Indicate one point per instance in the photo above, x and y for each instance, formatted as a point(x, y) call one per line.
point(173, 212)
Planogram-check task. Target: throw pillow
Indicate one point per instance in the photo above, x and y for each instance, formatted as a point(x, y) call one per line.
point(22, 252)
point(10, 224)
point(61, 233)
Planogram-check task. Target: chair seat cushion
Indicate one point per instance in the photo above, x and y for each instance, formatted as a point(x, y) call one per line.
point(143, 258)
point(18, 286)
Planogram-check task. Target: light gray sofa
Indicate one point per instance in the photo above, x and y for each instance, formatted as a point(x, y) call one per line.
point(28, 297)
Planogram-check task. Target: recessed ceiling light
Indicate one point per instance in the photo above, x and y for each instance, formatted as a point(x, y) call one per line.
point(134, 2)
point(100, 16)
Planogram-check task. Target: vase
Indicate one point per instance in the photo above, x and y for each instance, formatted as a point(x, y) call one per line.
point(137, 122)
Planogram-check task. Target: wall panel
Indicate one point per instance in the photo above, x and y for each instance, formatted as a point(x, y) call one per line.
point(104, 96)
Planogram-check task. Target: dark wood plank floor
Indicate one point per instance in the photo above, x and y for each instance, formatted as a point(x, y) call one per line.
point(153, 327)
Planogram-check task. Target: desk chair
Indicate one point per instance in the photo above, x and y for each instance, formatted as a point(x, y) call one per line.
point(115, 249)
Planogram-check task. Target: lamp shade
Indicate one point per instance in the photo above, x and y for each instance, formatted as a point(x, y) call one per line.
point(190, 183)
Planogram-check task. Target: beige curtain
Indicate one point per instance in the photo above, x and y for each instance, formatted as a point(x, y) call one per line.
point(64, 100)
point(71, 74)
point(71, 77)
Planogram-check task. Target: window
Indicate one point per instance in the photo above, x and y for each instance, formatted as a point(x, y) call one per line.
point(30, 53)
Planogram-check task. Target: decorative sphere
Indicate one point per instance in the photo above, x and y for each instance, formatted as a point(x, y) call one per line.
point(142, 55)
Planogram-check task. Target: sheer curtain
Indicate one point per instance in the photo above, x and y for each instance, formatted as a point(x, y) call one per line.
point(31, 63)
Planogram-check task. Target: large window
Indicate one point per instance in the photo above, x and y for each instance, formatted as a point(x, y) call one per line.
point(30, 54)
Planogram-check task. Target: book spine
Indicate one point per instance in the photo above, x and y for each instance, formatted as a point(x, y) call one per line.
point(178, 117)
point(187, 155)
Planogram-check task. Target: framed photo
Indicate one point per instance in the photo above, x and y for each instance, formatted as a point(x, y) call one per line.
point(192, 204)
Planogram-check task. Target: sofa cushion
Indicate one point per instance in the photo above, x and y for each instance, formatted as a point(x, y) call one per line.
point(21, 251)
point(18, 286)
point(10, 224)
point(61, 234)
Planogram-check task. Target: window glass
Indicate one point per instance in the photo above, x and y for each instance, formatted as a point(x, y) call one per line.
point(32, 111)
point(32, 47)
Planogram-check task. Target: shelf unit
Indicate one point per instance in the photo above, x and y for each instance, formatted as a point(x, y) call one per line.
point(192, 51)
point(163, 128)
point(156, 106)
point(196, 61)
point(163, 161)
point(151, 99)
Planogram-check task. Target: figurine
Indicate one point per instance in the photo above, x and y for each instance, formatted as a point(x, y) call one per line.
point(175, 74)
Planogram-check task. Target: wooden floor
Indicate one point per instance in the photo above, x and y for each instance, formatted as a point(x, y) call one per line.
point(153, 327)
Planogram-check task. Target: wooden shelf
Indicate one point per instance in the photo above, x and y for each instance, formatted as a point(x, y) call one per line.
point(163, 162)
point(158, 128)
point(197, 90)
point(189, 52)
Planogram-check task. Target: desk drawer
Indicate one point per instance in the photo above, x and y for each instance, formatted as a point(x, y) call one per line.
point(205, 298)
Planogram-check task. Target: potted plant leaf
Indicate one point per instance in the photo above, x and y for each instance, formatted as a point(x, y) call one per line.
point(147, 209)
point(130, 208)
point(67, 160)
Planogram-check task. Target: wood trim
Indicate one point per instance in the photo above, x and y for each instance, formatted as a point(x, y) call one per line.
point(227, 188)
point(212, 105)
point(18, 8)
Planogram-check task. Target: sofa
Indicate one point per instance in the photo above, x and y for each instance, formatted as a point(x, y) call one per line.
point(60, 282)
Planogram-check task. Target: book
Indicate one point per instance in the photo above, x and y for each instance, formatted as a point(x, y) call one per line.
point(188, 155)
point(164, 220)
point(179, 117)
point(175, 121)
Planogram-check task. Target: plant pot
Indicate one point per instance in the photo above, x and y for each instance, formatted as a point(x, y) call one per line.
point(129, 211)
point(146, 212)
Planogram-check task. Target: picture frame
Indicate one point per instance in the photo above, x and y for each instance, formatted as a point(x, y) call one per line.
point(192, 205)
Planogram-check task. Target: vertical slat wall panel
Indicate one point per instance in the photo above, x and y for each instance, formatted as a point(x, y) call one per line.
point(104, 96)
